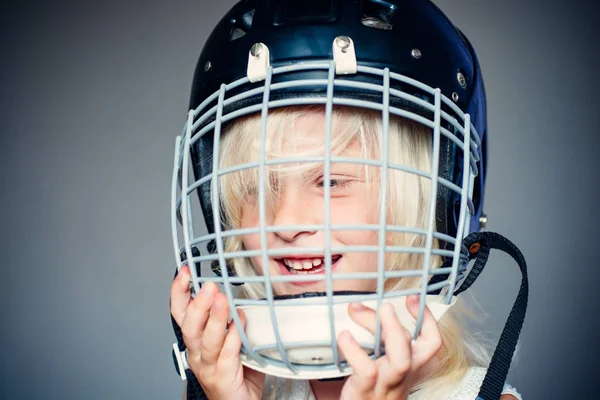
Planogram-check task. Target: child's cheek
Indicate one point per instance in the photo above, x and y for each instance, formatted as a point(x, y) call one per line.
point(355, 210)
point(256, 265)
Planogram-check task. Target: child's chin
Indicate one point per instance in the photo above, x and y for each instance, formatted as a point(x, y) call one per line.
point(290, 289)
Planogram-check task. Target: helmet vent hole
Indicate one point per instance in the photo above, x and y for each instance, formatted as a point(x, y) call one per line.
point(241, 26)
point(378, 14)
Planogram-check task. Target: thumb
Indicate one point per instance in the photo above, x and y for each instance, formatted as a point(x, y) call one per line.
point(255, 378)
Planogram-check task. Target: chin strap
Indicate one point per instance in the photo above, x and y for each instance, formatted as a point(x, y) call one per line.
point(479, 245)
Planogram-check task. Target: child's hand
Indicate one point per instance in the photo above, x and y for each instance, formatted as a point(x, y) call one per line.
point(391, 376)
point(213, 345)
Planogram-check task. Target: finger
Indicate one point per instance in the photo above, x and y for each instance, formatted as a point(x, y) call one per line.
point(397, 347)
point(197, 315)
point(213, 336)
point(364, 370)
point(180, 294)
point(229, 359)
point(230, 352)
point(363, 315)
point(429, 341)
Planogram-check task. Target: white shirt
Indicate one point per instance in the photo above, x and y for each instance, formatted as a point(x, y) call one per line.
point(300, 389)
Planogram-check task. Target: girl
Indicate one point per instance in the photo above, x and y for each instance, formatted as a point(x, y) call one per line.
point(337, 199)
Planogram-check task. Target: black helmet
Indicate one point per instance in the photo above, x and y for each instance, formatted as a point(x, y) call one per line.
point(412, 38)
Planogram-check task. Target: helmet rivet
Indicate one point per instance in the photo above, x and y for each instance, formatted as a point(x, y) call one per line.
point(416, 53)
point(455, 96)
point(256, 50)
point(474, 248)
point(462, 81)
point(483, 220)
point(343, 42)
point(207, 66)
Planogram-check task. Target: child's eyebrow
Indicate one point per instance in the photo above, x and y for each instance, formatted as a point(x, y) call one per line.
point(336, 168)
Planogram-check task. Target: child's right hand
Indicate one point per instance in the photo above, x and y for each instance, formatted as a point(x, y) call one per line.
point(213, 345)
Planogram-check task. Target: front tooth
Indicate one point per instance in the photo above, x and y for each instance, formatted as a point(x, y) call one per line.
point(307, 264)
point(297, 265)
point(316, 262)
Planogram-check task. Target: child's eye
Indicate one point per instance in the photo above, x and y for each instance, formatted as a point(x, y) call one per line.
point(335, 183)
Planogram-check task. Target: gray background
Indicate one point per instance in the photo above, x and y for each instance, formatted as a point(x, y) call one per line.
point(92, 98)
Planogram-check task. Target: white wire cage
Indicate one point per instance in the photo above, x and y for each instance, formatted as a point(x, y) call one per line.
point(271, 342)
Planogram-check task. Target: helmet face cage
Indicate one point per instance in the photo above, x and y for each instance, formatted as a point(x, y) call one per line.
point(185, 239)
point(311, 60)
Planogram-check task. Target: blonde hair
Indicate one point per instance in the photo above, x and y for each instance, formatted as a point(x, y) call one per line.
point(409, 144)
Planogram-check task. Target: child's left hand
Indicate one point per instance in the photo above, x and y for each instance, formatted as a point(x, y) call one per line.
point(392, 375)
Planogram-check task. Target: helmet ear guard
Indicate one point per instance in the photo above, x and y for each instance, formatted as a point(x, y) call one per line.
point(340, 74)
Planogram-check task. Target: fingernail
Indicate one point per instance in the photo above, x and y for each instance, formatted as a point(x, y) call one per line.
point(345, 337)
point(183, 273)
point(207, 289)
point(358, 306)
point(388, 308)
point(219, 305)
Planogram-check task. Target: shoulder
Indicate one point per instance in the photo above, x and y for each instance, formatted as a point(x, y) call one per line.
point(471, 384)
point(510, 393)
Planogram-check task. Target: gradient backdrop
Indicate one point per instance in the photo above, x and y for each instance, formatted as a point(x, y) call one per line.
point(92, 98)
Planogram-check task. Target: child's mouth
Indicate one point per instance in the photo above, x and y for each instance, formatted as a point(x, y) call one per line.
point(306, 266)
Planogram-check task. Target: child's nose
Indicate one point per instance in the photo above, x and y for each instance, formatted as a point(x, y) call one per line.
point(293, 213)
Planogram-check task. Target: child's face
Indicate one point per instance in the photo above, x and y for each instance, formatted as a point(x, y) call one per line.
point(302, 203)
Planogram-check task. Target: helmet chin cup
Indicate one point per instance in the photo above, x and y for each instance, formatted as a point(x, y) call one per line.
point(305, 328)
